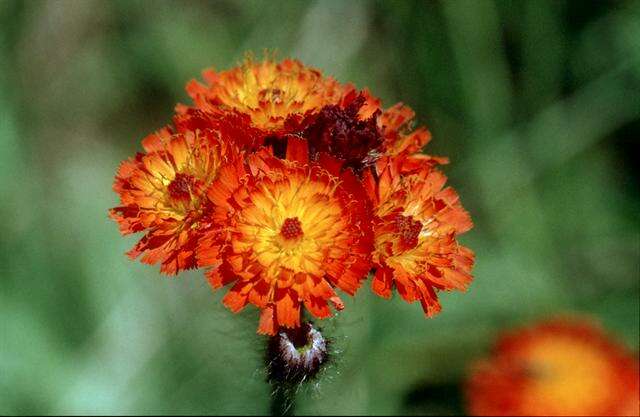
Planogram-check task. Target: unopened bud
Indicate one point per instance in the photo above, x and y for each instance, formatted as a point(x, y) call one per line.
point(296, 355)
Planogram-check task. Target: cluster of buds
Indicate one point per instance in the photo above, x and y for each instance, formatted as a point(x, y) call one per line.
point(285, 186)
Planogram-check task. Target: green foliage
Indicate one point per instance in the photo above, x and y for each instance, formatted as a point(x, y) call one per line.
point(537, 103)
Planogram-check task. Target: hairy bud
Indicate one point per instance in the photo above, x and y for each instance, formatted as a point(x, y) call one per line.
point(296, 355)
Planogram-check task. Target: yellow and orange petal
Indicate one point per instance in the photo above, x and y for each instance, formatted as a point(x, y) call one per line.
point(295, 232)
point(161, 194)
point(417, 222)
point(560, 367)
point(268, 91)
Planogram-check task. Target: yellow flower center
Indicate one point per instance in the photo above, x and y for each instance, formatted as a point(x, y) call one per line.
point(271, 227)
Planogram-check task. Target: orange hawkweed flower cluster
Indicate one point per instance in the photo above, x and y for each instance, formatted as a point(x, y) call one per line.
point(286, 186)
point(560, 367)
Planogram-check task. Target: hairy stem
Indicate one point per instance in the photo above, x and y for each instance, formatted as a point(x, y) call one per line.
point(283, 400)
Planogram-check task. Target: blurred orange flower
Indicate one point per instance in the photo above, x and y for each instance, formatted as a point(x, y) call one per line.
point(559, 367)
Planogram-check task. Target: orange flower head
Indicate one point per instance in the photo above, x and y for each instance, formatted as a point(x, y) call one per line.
point(294, 231)
point(561, 367)
point(268, 91)
point(161, 194)
point(417, 222)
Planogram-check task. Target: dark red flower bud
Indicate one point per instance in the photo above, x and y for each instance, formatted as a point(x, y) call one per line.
point(341, 133)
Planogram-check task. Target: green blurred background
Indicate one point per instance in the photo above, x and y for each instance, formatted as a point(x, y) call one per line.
point(537, 103)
